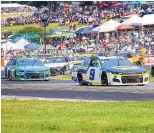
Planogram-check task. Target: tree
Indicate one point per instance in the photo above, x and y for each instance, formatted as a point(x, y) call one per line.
point(34, 30)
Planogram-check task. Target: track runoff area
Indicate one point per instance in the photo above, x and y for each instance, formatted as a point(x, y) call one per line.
point(60, 89)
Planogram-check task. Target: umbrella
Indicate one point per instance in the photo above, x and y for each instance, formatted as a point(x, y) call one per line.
point(115, 5)
point(100, 4)
point(124, 27)
point(15, 40)
point(67, 6)
point(32, 46)
point(84, 31)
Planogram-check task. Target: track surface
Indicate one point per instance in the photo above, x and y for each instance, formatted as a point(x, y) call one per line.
point(109, 96)
point(60, 89)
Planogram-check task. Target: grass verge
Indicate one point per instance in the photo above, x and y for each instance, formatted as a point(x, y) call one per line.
point(62, 77)
point(75, 117)
point(17, 28)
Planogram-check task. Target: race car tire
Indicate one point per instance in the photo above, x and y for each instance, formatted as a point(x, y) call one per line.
point(46, 80)
point(104, 79)
point(80, 79)
point(9, 75)
point(62, 71)
point(141, 85)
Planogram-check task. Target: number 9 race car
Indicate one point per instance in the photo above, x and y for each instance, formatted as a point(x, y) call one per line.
point(109, 71)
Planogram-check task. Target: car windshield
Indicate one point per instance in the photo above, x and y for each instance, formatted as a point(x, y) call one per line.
point(106, 63)
point(29, 62)
point(55, 60)
point(76, 58)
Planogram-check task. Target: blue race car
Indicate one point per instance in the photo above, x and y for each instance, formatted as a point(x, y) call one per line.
point(26, 69)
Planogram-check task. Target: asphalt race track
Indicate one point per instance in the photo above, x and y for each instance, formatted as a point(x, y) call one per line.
point(60, 89)
point(108, 96)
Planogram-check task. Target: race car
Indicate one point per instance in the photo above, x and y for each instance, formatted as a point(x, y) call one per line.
point(109, 71)
point(135, 59)
point(79, 58)
point(59, 65)
point(26, 69)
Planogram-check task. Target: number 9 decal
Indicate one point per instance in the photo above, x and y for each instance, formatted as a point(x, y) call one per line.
point(92, 74)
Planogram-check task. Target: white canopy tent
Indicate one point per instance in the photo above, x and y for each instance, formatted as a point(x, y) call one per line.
point(133, 20)
point(107, 26)
point(11, 5)
point(147, 19)
point(19, 45)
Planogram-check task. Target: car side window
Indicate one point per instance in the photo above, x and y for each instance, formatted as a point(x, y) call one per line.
point(86, 62)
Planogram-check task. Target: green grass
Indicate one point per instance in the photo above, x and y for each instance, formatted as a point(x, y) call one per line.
point(6, 15)
point(17, 28)
point(62, 77)
point(77, 117)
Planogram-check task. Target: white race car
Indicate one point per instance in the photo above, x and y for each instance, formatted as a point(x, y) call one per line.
point(109, 71)
point(59, 65)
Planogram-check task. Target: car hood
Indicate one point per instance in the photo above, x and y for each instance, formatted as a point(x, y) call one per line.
point(32, 68)
point(54, 65)
point(126, 69)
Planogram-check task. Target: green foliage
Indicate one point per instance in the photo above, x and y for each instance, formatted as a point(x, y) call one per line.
point(32, 29)
point(74, 117)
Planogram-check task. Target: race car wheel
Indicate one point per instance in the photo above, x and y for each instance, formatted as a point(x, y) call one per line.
point(80, 79)
point(62, 71)
point(104, 80)
point(9, 75)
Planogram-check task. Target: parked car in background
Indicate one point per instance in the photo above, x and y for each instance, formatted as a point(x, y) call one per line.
point(59, 65)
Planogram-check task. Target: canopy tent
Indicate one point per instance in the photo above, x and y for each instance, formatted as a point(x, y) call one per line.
point(7, 5)
point(133, 20)
point(7, 46)
point(124, 27)
point(15, 40)
point(32, 46)
point(19, 45)
point(86, 30)
point(115, 4)
point(100, 4)
point(107, 26)
point(26, 36)
point(59, 33)
point(147, 19)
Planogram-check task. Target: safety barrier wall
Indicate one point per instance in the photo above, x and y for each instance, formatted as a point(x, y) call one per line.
point(148, 60)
